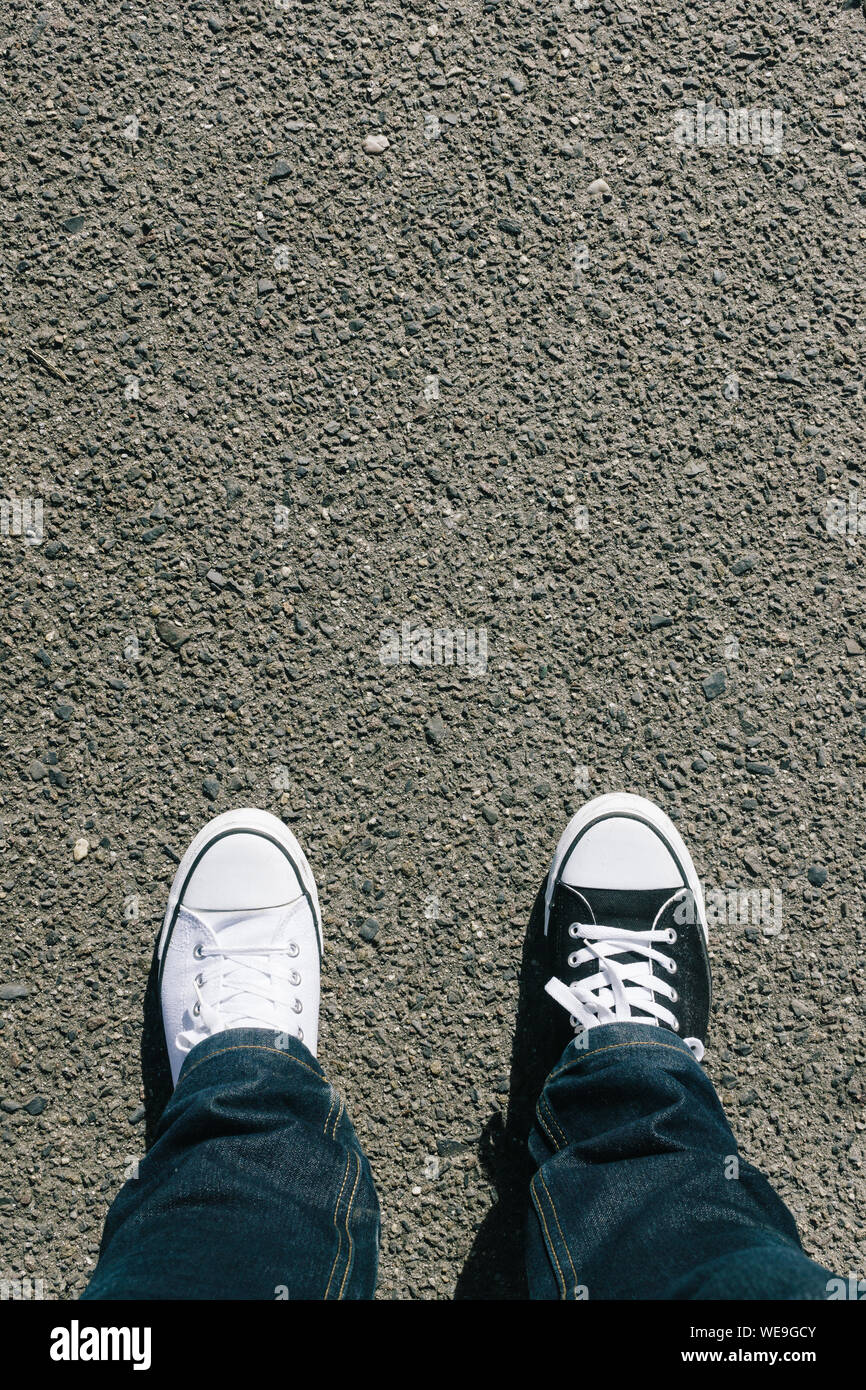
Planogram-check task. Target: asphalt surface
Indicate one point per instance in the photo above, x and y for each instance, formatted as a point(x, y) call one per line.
point(281, 390)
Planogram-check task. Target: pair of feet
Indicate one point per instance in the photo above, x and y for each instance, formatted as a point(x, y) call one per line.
point(624, 930)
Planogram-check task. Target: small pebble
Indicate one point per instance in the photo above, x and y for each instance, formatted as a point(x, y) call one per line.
point(172, 635)
point(435, 731)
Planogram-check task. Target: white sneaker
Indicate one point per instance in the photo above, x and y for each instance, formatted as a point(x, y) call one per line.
point(241, 942)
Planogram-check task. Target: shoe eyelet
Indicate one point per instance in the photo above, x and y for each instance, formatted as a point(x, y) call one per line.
point(675, 998)
point(672, 936)
point(572, 960)
point(676, 1026)
point(294, 977)
point(300, 1035)
point(197, 951)
point(199, 979)
point(574, 931)
point(297, 1006)
point(196, 1008)
point(294, 949)
point(672, 967)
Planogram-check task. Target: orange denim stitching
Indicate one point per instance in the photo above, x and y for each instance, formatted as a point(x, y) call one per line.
point(544, 1125)
point(336, 1228)
point(553, 1120)
point(330, 1108)
point(338, 1117)
point(541, 1121)
point(348, 1232)
point(255, 1047)
point(537, 1204)
point(558, 1226)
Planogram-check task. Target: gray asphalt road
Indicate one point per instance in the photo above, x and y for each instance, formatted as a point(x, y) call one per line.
point(541, 325)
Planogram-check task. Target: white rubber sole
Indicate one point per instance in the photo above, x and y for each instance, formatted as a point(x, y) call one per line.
point(626, 803)
point(246, 818)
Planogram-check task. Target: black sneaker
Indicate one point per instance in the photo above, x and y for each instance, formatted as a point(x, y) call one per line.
point(625, 924)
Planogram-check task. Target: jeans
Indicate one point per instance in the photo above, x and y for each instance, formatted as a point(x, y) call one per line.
point(257, 1188)
point(639, 1191)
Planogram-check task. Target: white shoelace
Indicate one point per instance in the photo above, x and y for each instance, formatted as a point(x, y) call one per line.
point(620, 987)
point(239, 978)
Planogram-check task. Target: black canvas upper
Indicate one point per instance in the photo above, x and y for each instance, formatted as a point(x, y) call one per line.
point(635, 910)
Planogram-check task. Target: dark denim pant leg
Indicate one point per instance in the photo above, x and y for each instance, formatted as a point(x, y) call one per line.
point(255, 1188)
point(640, 1191)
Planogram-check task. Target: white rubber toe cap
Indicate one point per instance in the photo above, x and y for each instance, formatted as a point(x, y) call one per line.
point(618, 852)
point(241, 872)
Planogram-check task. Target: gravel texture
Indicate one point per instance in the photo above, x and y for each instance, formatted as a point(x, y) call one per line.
point(322, 319)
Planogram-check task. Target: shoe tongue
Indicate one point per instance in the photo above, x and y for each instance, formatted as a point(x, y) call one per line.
point(242, 927)
point(247, 929)
point(626, 910)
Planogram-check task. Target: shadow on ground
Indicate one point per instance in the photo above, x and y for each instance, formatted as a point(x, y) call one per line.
point(495, 1268)
point(155, 1069)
